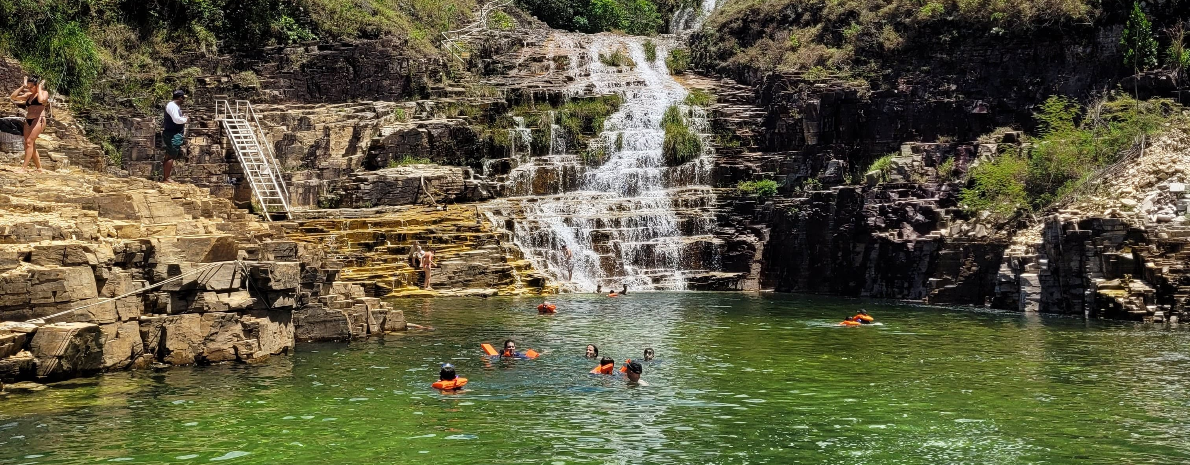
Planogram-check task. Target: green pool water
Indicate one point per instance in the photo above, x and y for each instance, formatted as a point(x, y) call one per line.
point(738, 379)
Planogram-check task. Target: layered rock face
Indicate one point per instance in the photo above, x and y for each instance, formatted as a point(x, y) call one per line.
point(374, 247)
point(101, 273)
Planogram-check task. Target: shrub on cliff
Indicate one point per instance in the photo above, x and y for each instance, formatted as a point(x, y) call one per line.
point(678, 61)
point(762, 189)
point(1070, 154)
point(680, 144)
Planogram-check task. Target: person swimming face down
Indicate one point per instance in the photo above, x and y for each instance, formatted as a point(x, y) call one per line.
point(634, 371)
point(649, 354)
point(592, 351)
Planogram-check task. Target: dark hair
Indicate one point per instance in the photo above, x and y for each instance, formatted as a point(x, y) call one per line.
point(606, 361)
point(649, 351)
point(447, 373)
point(635, 367)
point(33, 79)
point(596, 354)
point(507, 342)
point(179, 94)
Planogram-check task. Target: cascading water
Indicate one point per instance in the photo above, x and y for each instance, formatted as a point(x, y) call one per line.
point(689, 18)
point(632, 221)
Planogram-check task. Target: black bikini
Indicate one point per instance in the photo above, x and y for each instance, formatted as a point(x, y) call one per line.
point(33, 103)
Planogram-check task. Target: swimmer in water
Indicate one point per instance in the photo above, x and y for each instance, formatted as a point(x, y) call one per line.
point(592, 351)
point(649, 354)
point(448, 381)
point(509, 349)
point(606, 366)
point(633, 374)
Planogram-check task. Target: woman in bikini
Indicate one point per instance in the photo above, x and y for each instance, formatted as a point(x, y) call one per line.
point(33, 97)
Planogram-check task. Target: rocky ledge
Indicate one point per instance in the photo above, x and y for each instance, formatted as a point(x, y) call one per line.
point(104, 273)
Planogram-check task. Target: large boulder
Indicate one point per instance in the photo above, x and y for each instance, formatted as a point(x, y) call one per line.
point(121, 344)
point(224, 336)
point(13, 336)
point(182, 339)
point(271, 330)
point(316, 322)
point(394, 321)
point(275, 276)
point(65, 350)
point(18, 367)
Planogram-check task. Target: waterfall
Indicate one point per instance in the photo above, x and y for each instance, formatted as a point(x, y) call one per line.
point(632, 220)
point(687, 18)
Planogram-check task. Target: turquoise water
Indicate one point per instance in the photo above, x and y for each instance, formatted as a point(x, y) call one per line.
point(738, 379)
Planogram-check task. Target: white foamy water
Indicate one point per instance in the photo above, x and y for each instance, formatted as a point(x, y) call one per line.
point(631, 221)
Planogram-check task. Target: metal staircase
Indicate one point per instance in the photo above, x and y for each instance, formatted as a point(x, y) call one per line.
point(242, 128)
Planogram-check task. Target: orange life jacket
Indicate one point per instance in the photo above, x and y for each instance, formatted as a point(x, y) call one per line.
point(613, 295)
point(849, 323)
point(488, 349)
point(450, 385)
point(604, 369)
point(624, 367)
point(551, 308)
point(867, 318)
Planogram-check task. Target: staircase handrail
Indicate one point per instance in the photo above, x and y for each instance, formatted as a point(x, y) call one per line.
point(268, 153)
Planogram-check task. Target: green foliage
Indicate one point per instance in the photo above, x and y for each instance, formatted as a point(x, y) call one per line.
point(699, 98)
point(678, 61)
point(795, 35)
point(650, 50)
point(1140, 46)
point(882, 165)
point(501, 21)
point(618, 57)
point(586, 116)
point(997, 187)
point(638, 17)
point(681, 144)
point(762, 189)
point(406, 160)
point(1067, 154)
point(604, 15)
point(946, 169)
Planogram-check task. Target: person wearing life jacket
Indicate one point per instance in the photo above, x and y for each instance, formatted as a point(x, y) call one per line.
point(849, 322)
point(606, 366)
point(592, 352)
point(863, 317)
point(547, 307)
point(448, 381)
point(633, 374)
point(510, 351)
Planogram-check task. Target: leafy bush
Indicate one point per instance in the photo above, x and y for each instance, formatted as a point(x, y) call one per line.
point(406, 160)
point(762, 189)
point(882, 165)
point(1066, 155)
point(1140, 47)
point(678, 61)
point(699, 98)
point(639, 17)
point(618, 57)
point(681, 144)
point(650, 50)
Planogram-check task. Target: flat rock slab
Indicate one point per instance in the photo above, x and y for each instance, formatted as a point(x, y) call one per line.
point(67, 349)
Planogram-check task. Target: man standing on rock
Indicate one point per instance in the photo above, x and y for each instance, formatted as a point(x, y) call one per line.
point(173, 133)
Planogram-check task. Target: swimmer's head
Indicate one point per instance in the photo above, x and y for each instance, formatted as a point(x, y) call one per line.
point(592, 351)
point(649, 354)
point(447, 373)
point(863, 312)
point(633, 371)
point(606, 361)
point(509, 345)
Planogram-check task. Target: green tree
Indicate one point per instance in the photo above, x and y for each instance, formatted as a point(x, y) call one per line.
point(640, 17)
point(1140, 46)
point(604, 15)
